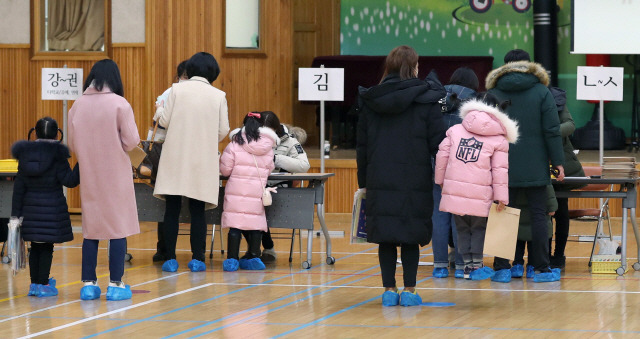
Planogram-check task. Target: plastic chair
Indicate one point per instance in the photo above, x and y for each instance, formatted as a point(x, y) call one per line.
point(599, 214)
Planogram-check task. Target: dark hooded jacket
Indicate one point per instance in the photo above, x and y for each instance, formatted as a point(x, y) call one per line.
point(525, 84)
point(399, 130)
point(572, 166)
point(43, 169)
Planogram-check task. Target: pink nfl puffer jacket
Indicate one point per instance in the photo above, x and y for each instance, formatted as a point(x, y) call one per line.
point(243, 207)
point(472, 163)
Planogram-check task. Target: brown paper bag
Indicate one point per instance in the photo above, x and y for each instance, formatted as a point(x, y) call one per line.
point(136, 156)
point(502, 232)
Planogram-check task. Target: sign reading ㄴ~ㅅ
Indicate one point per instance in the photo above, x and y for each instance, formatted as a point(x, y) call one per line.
point(61, 83)
point(599, 83)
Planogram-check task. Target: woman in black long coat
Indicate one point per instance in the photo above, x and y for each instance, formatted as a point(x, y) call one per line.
point(399, 130)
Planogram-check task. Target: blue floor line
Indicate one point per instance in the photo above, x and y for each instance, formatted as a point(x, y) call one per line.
point(288, 304)
point(216, 297)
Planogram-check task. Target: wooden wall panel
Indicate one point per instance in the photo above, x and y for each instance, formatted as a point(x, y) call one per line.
point(175, 30)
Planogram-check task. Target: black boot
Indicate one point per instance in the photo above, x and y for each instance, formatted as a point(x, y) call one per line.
point(233, 243)
point(251, 260)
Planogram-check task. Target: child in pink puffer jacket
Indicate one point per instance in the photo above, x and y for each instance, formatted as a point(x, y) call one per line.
point(472, 167)
point(247, 161)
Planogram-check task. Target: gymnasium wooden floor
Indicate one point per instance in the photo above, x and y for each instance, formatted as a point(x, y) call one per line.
point(339, 301)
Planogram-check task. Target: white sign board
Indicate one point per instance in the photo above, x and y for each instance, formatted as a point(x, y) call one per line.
point(321, 84)
point(61, 83)
point(600, 83)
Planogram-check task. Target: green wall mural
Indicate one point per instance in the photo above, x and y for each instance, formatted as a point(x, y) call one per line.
point(453, 28)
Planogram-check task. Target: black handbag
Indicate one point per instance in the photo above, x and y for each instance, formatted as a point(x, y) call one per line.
point(148, 169)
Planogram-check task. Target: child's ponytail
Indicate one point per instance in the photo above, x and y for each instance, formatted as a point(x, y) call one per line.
point(252, 122)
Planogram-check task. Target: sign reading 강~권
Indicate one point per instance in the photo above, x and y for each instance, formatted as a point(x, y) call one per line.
point(600, 83)
point(321, 84)
point(61, 83)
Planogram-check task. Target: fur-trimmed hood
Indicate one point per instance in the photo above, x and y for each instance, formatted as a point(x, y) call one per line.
point(258, 147)
point(522, 67)
point(503, 124)
point(36, 157)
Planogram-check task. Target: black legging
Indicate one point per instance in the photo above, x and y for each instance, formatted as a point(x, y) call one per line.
point(40, 259)
point(198, 234)
point(388, 255)
point(562, 226)
point(267, 240)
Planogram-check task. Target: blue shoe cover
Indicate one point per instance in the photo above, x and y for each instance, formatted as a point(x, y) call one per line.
point(254, 264)
point(390, 298)
point(196, 265)
point(52, 282)
point(530, 272)
point(503, 276)
point(482, 273)
point(557, 272)
point(410, 299)
point(46, 291)
point(119, 293)
point(33, 289)
point(440, 272)
point(230, 265)
point(90, 292)
point(545, 277)
point(170, 265)
point(517, 271)
point(458, 274)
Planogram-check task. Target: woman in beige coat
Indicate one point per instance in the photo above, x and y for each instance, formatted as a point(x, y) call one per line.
point(196, 119)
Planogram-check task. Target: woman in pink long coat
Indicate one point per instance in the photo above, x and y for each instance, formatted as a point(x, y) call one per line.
point(247, 161)
point(102, 130)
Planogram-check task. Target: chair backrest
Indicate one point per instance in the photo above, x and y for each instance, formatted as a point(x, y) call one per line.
point(594, 170)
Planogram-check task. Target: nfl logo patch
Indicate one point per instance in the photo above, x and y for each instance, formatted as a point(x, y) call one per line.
point(469, 150)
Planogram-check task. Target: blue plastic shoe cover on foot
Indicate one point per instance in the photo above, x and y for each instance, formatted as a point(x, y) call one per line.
point(90, 292)
point(52, 282)
point(482, 273)
point(503, 276)
point(390, 298)
point(546, 277)
point(458, 274)
point(517, 271)
point(230, 265)
point(530, 271)
point(119, 293)
point(410, 299)
point(33, 289)
point(170, 265)
point(196, 265)
point(440, 272)
point(46, 291)
point(252, 264)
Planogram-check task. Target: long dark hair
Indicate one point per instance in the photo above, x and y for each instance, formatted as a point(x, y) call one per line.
point(402, 60)
point(252, 122)
point(105, 72)
point(46, 128)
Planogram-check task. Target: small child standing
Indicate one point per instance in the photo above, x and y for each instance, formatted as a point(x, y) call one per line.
point(247, 161)
point(472, 167)
point(43, 169)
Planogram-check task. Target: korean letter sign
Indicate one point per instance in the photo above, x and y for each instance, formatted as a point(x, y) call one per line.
point(61, 83)
point(321, 84)
point(600, 83)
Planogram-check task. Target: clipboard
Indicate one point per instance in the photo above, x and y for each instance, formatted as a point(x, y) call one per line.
point(502, 232)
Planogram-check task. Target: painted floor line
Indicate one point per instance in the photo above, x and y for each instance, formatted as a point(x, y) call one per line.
point(78, 300)
point(114, 311)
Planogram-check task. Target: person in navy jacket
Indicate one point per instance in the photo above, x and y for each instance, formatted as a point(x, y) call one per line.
point(38, 199)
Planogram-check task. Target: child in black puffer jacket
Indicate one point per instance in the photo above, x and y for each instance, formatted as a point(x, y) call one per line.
point(38, 198)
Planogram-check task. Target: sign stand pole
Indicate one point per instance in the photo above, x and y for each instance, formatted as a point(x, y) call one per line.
point(321, 133)
point(64, 131)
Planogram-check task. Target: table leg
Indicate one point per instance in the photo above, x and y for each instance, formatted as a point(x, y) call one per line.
point(325, 231)
point(623, 257)
point(307, 264)
point(636, 232)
